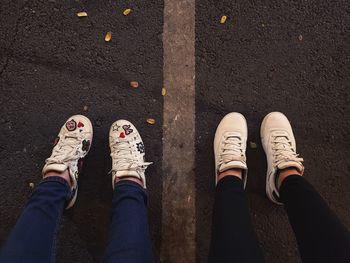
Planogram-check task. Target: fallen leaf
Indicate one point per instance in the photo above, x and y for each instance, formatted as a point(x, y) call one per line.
point(85, 108)
point(134, 84)
point(163, 91)
point(108, 36)
point(82, 14)
point(253, 145)
point(223, 19)
point(127, 11)
point(300, 37)
point(31, 185)
point(151, 121)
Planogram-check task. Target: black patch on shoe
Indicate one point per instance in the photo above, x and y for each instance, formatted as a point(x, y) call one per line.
point(86, 145)
point(140, 147)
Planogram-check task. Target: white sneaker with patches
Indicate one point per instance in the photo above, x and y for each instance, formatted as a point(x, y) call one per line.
point(279, 144)
point(230, 145)
point(71, 146)
point(127, 152)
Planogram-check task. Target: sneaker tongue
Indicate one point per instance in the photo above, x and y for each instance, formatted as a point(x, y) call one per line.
point(294, 164)
point(232, 165)
point(57, 167)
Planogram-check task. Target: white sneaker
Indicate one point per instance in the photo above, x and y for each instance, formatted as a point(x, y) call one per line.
point(127, 152)
point(280, 148)
point(71, 146)
point(230, 145)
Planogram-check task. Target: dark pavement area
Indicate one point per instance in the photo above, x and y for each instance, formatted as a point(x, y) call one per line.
point(288, 56)
point(52, 64)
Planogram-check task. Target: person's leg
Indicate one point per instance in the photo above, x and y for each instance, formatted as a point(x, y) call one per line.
point(233, 238)
point(129, 232)
point(33, 239)
point(320, 235)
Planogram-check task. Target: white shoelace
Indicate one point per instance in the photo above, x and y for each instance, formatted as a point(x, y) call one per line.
point(283, 151)
point(123, 158)
point(66, 150)
point(232, 150)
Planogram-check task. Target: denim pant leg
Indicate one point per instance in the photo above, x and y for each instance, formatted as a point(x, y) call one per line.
point(129, 232)
point(33, 238)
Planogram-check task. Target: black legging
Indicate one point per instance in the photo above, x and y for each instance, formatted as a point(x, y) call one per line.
point(320, 235)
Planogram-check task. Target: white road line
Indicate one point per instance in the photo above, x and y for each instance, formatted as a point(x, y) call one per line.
point(178, 211)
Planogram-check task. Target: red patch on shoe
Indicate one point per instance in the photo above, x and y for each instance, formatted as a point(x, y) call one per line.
point(122, 135)
point(56, 141)
point(71, 125)
point(80, 124)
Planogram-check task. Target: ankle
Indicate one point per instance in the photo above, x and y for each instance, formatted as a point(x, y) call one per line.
point(65, 175)
point(133, 179)
point(284, 173)
point(230, 172)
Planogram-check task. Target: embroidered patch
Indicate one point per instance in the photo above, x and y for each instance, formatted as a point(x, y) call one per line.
point(56, 141)
point(80, 124)
point(71, 125)
point(116, 127)
point(86, 145)
point(140, 147)
point(122, 135)
point(127, 129)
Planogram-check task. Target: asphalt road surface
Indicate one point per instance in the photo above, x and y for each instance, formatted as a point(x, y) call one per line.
point(288, 56)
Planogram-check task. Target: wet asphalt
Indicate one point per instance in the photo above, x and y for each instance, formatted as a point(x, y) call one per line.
point(289, 56)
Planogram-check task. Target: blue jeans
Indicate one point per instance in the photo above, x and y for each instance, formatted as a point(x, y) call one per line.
point(33, 239)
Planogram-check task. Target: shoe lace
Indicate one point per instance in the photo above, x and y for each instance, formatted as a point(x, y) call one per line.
point(66, 150)
point(232, 150)
point(283, 150)
point(123, 158)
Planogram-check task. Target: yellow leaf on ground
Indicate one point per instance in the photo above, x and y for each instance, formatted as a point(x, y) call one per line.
point(82, 14)
point(108, 36)
point(134, 84)
point(151, 121)
point(223, 19)
point(163, 91)
point(127, 11)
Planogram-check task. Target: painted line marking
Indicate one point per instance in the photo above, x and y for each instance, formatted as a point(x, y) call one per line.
point(178, 205)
